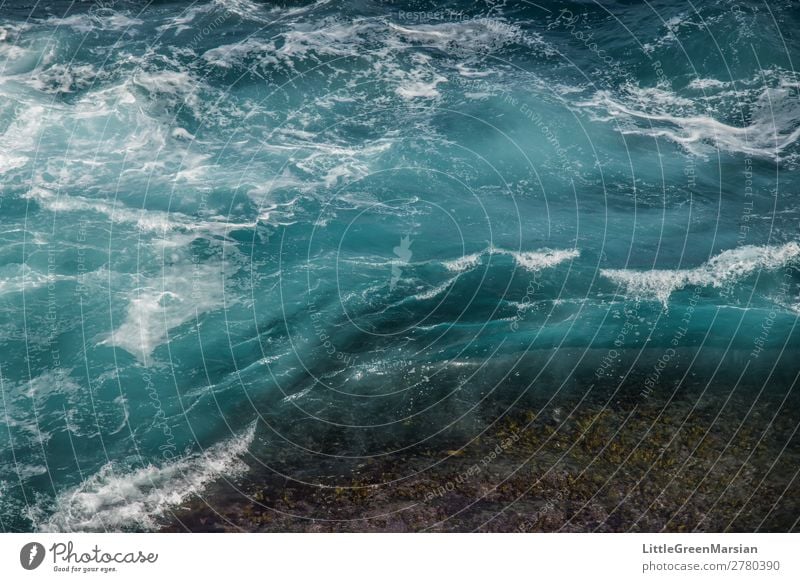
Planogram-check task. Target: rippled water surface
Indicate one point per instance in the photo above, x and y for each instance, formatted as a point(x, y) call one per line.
point(242, 237)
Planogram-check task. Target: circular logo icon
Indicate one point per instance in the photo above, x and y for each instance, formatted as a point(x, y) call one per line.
point(31, 555)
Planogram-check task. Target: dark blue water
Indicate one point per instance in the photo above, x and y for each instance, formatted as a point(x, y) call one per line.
point(233, 229)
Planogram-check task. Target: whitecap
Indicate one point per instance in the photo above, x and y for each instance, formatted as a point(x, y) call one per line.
point(529, 260)
point(728, 267)
point(115, 499)
point(534, 261)
point(543, 259)
point(701, 84)
point(465, 263)
point(433, 291)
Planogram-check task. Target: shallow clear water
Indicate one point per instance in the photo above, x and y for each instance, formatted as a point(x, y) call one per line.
point(233, 228)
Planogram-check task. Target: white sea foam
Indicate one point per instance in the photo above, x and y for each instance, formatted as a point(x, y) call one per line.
point(333, 38)
point(368, 36)
point(544, 258)
point(50, 383)
point(183, 134)
point(725, 268)
point(774, 126)
point(92, 22)
point(16, 59)
point(298, 395)
point(182, 22)
point(18, 141)
point(528, 260)
point(706, 84)
point(60, 78)
point(164, 303)
point(117, 499)
point(176, 87)
point(229, 55)
point(334, 164)
point(471, 73)
point(464, 263)
point(118, 128)
point(476, 36)
point(149, 221)
point(433, 291)
point(533, 261)
point(298, 43)
point(416, 87)
point(18, 278)
point(245, 9)
point(23, 51)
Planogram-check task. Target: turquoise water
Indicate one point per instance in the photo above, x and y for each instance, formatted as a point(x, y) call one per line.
point(233, 230)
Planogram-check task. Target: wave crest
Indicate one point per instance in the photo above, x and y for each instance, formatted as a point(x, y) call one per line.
point(113, 500)
point(727, 267)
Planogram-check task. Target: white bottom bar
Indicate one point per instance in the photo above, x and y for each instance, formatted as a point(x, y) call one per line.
point(400, 557)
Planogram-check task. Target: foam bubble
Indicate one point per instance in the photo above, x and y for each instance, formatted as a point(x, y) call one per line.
point(727, 267)
point(18, 141)
point(18, 278)
point(529, 260)
point(150, 221)
point(60, 78)
point(416, 88)
point(544, 259)
point(164, 303)
point(117, 499)
point(464, 263)
point(433, 291)
point(773, 129)
point(476, 36)
point(91, 23)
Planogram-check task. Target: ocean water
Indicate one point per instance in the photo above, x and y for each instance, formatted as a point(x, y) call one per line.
point(236, 232)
